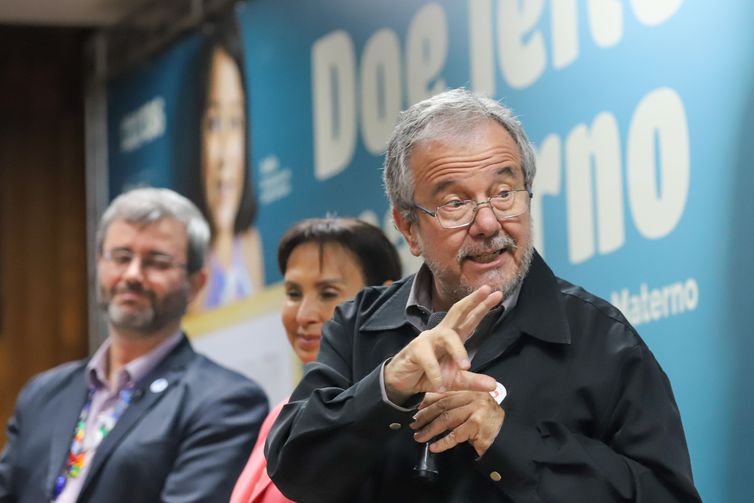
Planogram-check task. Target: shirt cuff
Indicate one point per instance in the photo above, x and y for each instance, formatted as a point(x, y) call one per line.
point(413, 402)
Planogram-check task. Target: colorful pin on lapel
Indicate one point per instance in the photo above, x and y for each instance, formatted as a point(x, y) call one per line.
point(158, 385)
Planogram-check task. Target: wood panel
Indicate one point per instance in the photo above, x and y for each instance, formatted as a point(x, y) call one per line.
point(42, 204)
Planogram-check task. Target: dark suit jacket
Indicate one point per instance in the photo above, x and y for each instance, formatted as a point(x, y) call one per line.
point(589, 416)
point(185, 443)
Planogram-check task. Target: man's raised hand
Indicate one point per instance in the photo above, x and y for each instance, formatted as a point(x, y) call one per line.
point(436, 360)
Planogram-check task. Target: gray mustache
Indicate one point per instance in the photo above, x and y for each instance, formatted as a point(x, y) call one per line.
point(491, 245)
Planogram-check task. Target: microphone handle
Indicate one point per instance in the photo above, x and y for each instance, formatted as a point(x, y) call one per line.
point(426, 468)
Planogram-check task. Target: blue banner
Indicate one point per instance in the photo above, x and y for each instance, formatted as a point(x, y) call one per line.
point(640, 112)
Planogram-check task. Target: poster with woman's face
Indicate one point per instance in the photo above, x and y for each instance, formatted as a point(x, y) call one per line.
point(639, 112)
point(182, 121)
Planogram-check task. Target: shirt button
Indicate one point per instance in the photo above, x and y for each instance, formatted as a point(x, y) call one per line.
point(395, 426)
point(495, 476)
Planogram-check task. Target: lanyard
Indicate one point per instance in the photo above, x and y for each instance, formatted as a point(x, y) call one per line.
point(83, 444)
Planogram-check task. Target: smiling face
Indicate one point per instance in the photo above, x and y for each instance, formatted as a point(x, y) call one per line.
point(139, 299)
point(474, 166)
point(317, 278)
point(223, 141)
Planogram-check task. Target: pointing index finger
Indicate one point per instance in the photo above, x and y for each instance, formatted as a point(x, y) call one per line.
point(464, 316)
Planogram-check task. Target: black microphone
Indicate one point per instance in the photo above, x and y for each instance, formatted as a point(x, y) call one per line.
point(426, 467)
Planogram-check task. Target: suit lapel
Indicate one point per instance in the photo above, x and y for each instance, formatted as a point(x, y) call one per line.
point(144, 397)
point(67, 406)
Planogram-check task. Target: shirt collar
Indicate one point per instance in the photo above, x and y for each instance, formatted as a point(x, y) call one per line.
point(133, 371)
point(538, 304)
point(541, 311)
point(419, 305)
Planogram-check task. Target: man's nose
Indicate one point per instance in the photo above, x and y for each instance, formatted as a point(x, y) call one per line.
point(134, 270)
point(485, 222)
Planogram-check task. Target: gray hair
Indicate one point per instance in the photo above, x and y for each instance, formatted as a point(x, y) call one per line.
point(451, 112)
point(147, 205)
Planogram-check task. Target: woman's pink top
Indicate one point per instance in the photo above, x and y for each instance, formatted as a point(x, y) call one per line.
point(254, 485)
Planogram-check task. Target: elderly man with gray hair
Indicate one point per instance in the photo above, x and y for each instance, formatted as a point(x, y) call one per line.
point(483, 377)
point(146, 419)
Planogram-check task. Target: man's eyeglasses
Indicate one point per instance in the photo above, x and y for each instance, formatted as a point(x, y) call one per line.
point(121, 259)
point(504, 205)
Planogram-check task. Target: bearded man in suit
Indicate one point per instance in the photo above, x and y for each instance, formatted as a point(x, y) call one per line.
point(145, 418)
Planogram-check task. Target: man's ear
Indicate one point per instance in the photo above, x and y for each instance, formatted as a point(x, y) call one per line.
point(408, 230)
point(196, 283)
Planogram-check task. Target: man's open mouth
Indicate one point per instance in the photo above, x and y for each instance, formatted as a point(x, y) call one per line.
point(484, 258)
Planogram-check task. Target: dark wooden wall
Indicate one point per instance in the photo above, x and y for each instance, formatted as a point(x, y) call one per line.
point(42, 205)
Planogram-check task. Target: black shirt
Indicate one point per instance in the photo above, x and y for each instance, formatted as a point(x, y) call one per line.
point(589, 416)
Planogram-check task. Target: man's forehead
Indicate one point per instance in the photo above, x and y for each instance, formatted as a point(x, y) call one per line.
point(489, 152)
point(167, 232)
point(483, 135)
point(509, 175)
point(495, 172)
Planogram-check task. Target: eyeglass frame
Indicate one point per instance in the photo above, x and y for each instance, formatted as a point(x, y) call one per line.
point(475, 210)
point(146, 262)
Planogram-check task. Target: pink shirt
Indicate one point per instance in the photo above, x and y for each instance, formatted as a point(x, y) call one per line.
point(254, 485)
point(106, 396)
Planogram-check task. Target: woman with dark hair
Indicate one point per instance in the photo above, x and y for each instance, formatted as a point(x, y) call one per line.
point(324, 262)
point(224, 192)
